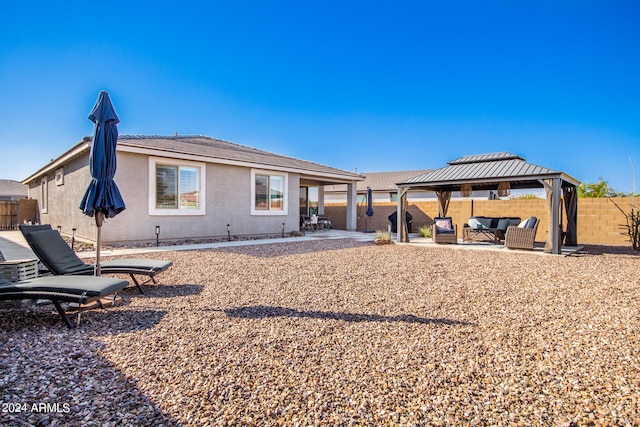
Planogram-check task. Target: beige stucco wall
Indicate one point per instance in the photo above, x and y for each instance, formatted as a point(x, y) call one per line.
point(63, 201)
point(228, 201)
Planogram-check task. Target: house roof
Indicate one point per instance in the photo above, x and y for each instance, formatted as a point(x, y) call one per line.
point(211, 150)
point(11, 188)
point(486, 171)
point(378, 181)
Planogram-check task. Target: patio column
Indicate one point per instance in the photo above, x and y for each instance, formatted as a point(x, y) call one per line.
point(553, 203)
point(555, 235)
point(352, 206)
point(403, 229)
point(321, 200)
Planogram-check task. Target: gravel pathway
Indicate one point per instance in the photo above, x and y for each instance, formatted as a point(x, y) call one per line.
point(338, 332)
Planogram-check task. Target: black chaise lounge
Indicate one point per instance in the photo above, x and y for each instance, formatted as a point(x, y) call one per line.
point(57, 289)
point(60, 259)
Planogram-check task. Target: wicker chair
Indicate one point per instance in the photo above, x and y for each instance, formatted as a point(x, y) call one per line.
point(444, 231)
point(522, 237)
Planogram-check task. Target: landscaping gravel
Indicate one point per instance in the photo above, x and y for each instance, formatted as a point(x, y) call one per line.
point(340, 333)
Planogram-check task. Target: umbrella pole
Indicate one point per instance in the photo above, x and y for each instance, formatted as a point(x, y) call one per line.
point(99, 219)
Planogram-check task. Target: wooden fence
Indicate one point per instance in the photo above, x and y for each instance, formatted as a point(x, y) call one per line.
point(14, 212)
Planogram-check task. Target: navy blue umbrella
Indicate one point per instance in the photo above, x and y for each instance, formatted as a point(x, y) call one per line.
point(102, 198)
point(369, 202)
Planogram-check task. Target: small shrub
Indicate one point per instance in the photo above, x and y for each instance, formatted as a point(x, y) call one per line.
point(425, 231)
point(382, 237)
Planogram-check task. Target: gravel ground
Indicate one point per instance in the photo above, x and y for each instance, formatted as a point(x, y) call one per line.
point(337, 332)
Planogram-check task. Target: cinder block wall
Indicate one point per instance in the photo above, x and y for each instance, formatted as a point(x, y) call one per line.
point(599, 220)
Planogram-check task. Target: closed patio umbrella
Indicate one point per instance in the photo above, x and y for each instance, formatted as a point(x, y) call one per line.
point(369, 212)
point(102, 198)
point(369, 202)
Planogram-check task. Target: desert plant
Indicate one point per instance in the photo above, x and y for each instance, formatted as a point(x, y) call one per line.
point(425, 231)
point(382, 237)
point(633, 216)
point(633, 223)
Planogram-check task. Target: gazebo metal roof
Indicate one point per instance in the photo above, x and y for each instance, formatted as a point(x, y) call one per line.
point(486, 171)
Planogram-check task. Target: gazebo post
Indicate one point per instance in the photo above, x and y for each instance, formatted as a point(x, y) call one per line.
point(402, 234)
point(554, 190)
point(557, 191)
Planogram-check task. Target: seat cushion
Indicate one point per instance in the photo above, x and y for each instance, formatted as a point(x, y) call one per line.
point(72, 285)
point(55, 253)
point(444, 225)
point(503, 223)
point(485, 222)
point(151, 265)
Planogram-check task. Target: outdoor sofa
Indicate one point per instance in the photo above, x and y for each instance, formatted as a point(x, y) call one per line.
point(60, 259)
point(495, 227)
point(57, 289)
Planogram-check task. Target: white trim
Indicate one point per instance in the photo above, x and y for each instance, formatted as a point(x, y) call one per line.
point(269, 212)
point(153, 161)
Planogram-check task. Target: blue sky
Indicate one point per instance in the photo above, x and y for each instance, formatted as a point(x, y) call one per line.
point(375, 85)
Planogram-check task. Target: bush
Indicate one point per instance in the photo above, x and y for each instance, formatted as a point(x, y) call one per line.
point(633, 223)
point(425, 231)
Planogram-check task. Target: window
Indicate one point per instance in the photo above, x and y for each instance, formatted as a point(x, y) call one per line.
point(44, 195)
point(60, 176)
point(176, 188)
point(268, 193)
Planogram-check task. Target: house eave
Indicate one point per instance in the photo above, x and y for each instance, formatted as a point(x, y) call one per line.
point(173, 154)
point(75, 151)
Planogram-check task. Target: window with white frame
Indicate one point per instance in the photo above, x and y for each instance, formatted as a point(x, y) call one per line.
point(176, 187)
point(44, 195)
point(268, 193)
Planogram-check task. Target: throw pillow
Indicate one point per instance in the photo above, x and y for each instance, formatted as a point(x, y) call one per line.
point(444, 225)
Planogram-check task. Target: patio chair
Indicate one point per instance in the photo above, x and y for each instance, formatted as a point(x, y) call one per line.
point(444, 231)
point(57, 289)
point(60, 259)
point(522, 236)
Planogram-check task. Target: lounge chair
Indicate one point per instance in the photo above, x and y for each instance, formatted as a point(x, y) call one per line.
point(57, 289)
point(444, 231)
point(524, 236)
point(60, 259)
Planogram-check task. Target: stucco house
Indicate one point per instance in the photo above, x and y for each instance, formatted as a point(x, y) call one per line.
point(190, 187)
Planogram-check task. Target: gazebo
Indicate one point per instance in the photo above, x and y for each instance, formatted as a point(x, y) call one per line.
point(499, 172)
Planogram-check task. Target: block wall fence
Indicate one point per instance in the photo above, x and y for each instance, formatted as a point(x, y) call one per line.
point(599, 220)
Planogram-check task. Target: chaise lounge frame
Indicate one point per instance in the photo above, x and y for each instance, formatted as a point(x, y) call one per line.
point(58, 289)
point(60, 259)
